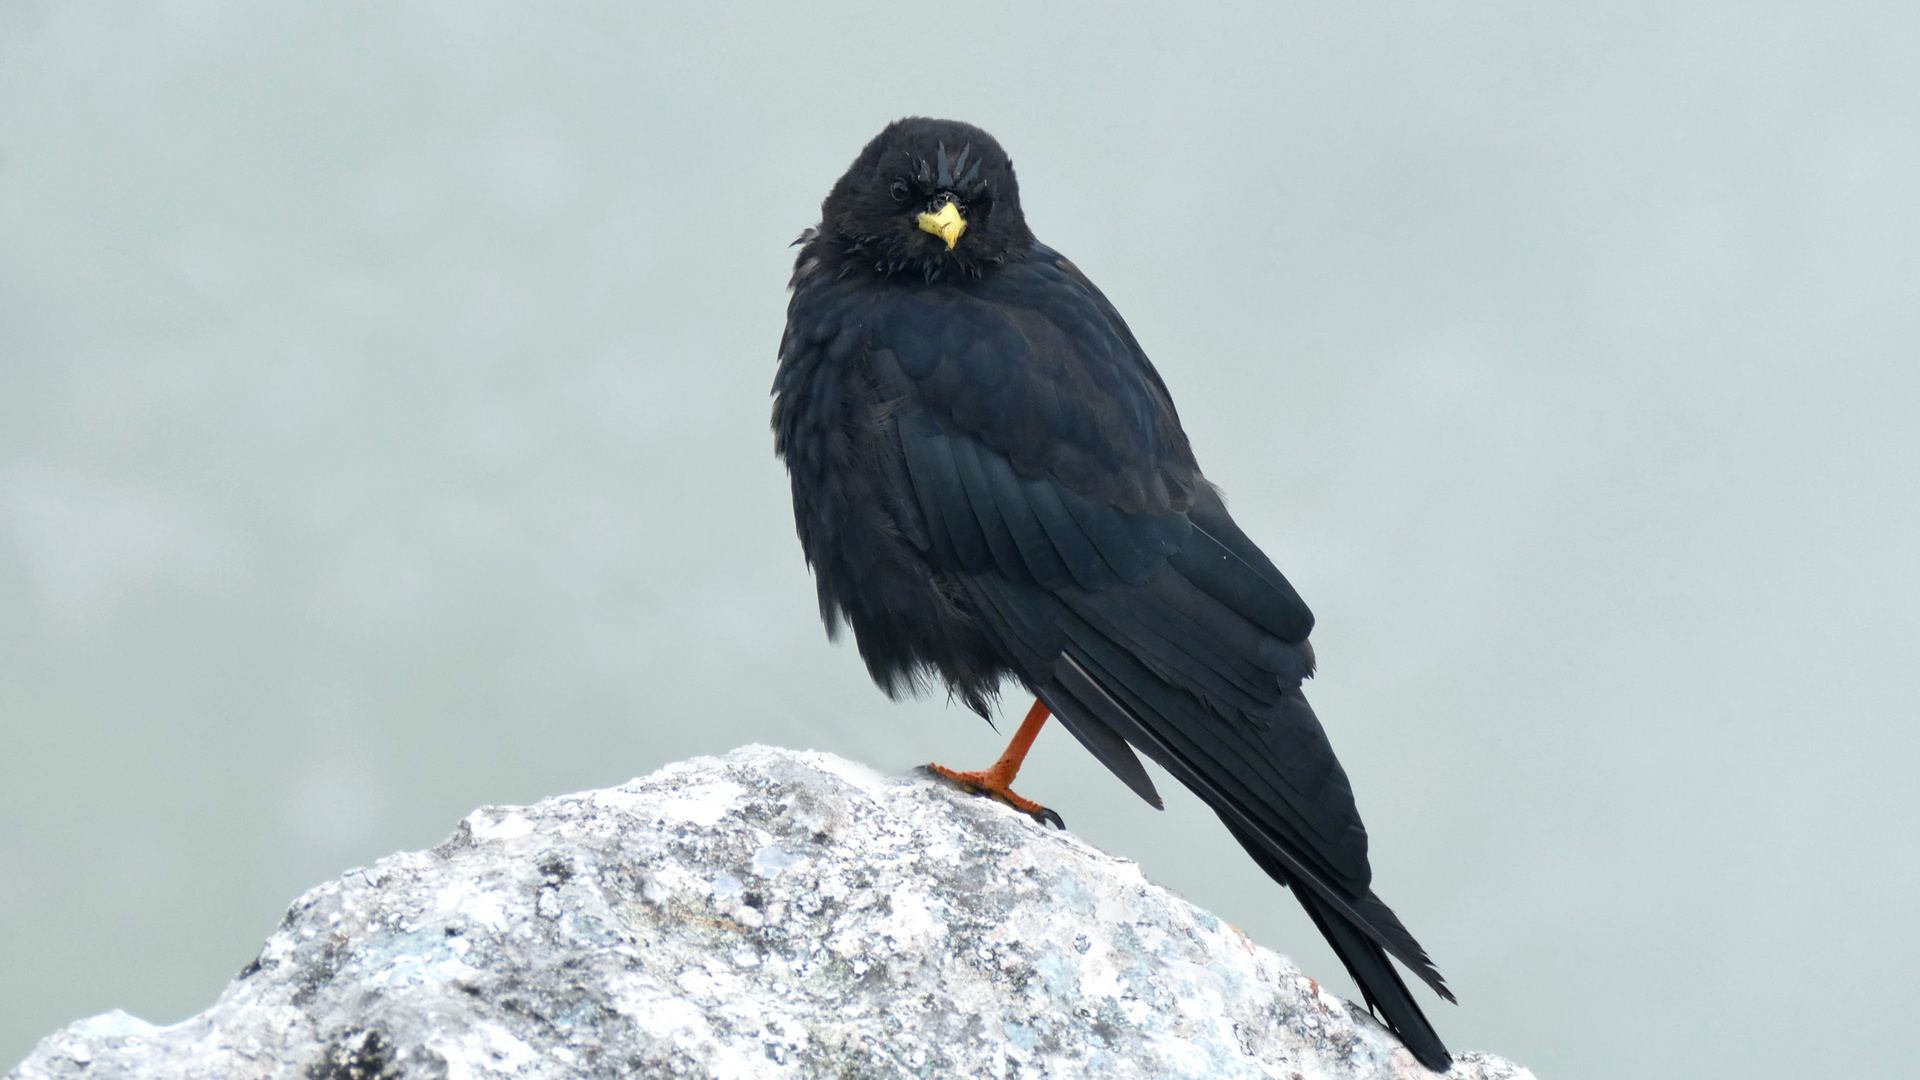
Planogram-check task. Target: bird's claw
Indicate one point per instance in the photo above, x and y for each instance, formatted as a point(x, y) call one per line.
point(983, 783)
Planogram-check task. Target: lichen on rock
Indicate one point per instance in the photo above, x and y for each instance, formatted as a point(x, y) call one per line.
point(768, 914)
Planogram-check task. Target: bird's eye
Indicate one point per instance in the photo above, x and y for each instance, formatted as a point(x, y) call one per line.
point(899, 190)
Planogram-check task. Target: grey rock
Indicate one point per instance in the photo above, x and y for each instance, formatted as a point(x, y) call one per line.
point(768, 914)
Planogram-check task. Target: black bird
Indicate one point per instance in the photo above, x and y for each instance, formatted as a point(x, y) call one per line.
point(990, 481)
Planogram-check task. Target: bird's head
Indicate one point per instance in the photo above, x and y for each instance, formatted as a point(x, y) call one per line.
point(928, 198)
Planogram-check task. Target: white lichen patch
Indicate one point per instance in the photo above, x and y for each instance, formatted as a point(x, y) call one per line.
point(770, 914)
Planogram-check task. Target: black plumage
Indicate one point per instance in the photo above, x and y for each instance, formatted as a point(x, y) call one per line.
point(990, 481)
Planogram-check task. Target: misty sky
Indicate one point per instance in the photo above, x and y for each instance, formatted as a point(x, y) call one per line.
point(383, 433)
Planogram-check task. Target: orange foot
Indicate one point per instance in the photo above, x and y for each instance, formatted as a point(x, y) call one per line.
point(982, 782)
point(997, 782)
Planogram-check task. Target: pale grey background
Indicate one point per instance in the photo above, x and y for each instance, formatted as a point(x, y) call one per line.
point(383, 433)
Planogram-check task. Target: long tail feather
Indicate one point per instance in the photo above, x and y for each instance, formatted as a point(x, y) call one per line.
point(1365, 960)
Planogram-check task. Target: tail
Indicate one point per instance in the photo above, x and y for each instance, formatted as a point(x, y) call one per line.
point(1366, 961)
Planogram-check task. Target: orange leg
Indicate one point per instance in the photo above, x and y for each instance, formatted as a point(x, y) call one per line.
point(997, 781)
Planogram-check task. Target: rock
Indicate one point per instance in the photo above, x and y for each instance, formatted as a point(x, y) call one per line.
point(768, 914)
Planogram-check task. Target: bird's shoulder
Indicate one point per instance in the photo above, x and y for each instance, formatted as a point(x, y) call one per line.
point(1030, 358)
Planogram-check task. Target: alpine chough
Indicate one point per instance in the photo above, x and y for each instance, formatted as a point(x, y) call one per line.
point(990, 481)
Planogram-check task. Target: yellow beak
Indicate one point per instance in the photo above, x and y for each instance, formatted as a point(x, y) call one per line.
point(945, 223)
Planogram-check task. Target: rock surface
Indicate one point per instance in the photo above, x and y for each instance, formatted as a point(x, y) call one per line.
point(769, 914)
